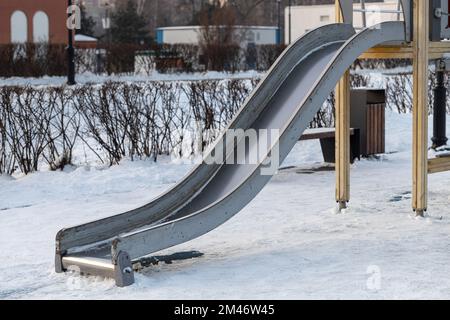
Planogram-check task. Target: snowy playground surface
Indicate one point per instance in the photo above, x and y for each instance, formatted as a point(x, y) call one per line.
point(287, 244)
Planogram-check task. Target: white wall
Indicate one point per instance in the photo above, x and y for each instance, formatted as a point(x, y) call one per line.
point(259, 36)
point(19, 27)
point(306, 18)
point(192, 35)
point(178, 35)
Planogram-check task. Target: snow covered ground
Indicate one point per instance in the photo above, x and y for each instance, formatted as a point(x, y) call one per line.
point(94, 78)
point(287, 244)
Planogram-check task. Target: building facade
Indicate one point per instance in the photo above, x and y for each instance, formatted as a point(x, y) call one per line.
point(258, 35)
point(307, 17)
point(33, 21)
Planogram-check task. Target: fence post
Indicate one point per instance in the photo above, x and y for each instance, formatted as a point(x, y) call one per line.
point(70, 52)
point(439, 110)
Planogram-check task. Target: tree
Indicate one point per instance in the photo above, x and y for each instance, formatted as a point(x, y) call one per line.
point(218, 40)
point(127, 26)
point(87, 23)
point(245, 11)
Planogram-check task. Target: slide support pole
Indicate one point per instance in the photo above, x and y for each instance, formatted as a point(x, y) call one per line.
point(420, 106)
point(342, 147)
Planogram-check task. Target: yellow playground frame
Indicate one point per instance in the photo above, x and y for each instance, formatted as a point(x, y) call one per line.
point(421, 50)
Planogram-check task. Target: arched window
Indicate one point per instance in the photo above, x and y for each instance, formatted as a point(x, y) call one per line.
point(40, 27)
point(19, 27)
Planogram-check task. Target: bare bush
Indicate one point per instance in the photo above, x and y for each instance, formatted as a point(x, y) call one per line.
point(7, 159)
point(64, 127)
point(190, 54)
point(381, 64)
point(104, 119)
point(218, 40)
point(399, 89)
point(27, 125)
point(43, 126)
point(120, 58)
point(267, 55)
point(32, 60)
point(216, 52)
point(90, 60)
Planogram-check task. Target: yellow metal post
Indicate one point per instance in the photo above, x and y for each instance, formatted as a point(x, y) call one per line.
point(342, 147)
point(420, 106)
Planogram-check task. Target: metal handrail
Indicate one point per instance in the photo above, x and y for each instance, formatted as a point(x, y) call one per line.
point(364, 16)
point(404, 14)
point(400, 11)
point(375, 10)
point(364, 11)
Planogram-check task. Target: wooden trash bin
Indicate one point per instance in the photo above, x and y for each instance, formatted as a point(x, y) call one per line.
point(368, 114)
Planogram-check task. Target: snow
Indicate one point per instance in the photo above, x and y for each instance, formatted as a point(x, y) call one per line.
point(88, 78)
point(289, 243)
point(319, 131)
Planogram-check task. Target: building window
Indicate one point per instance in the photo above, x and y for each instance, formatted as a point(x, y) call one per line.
point(251, 37)
point(324, 18)
point(40, 27)
point(19, 27)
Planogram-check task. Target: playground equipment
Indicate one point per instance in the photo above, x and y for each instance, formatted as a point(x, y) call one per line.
point(287, 99)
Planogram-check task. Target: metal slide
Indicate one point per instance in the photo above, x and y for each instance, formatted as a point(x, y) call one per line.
point(287, 99)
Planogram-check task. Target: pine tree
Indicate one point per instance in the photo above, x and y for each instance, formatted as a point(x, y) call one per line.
point(87, 23)
point(127, 26)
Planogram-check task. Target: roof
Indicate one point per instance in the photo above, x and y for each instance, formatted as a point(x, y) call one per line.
point(236, 27)
point(84, 38)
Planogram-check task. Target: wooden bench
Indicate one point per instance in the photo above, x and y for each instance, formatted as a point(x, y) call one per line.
point(439, 164)
point(327, 142)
